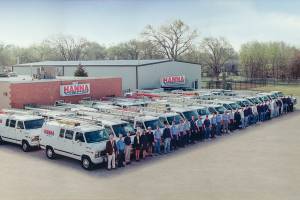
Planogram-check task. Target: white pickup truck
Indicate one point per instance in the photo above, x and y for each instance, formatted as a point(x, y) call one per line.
point(21, 129)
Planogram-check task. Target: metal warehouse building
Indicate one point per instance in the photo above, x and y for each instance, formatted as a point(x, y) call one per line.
point(135, 74)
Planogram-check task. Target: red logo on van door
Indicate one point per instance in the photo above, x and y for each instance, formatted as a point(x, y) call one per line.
point(48, 132)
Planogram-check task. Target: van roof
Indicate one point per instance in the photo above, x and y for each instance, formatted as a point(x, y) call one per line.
point(82, 127)
point(20, 117)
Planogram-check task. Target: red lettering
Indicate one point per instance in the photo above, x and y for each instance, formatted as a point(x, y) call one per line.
point(48, 132)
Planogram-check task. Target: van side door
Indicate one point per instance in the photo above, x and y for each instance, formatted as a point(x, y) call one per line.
point(79, 146)
point(11, 132)
point(69, 142)
point(20, 131)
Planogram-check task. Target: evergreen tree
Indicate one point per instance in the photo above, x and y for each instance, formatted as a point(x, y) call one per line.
point(80, 72)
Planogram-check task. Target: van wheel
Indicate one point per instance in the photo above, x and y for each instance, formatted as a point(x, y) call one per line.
point(86, 163)
point(50, 153)
point(25, 146)
point(1, 141)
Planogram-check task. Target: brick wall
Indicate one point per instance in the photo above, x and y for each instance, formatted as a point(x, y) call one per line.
point(46, 93)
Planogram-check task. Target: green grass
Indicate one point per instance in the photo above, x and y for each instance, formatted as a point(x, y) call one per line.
point(286, 89)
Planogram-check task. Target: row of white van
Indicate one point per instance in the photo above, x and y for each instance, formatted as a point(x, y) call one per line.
point(83, 136)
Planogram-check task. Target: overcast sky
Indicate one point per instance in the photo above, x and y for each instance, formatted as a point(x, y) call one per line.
point(25, 22)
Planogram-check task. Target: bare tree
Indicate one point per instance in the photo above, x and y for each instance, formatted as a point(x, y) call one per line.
point(172, 39)
point(69, 47)
point(215, 53)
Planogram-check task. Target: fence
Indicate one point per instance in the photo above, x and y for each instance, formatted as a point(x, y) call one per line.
point(245, 84)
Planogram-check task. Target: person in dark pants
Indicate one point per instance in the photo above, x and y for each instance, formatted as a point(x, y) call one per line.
point(207, 127)
point(213, 125)
point(187, 128)
point(144, 144)
point(181, 133)
point(174, 133)
point(150, 141)
point(231, 121)
point(121, 151)
point(194, 130)
point(237, 119)
point(200, 132)
point(137, 145)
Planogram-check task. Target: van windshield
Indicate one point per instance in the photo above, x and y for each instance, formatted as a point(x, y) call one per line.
point(175, 118)
point(220, 109)
point(34, 124)
point(203, 112)
point(153, 124)
point(235, 106)
point(96, 136)
point(123, 129)
point(188, 115)
point(247, 103)
point(227, 106)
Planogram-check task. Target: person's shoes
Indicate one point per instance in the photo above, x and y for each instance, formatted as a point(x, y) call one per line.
point(108, 169)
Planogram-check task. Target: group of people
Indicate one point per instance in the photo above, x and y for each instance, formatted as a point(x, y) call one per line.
point(155, 142)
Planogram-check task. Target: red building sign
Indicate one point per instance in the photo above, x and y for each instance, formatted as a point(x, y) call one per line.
point(75, 89)
point(172, 81)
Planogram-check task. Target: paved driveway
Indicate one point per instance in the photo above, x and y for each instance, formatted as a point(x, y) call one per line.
point(262, 162)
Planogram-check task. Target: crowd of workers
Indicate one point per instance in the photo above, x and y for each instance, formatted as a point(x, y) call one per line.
point(162, 141)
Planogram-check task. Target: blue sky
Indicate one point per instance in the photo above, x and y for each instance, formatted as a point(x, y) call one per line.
point(25, 22)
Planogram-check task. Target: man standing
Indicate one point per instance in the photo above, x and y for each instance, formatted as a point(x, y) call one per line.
point(193, 130)
point(213, 125)
point(150, 141)
point(157, 139)
point(237, 119)
point(144, 143)
point(181, 133)
point(127, 141)
point(174, 133)
point(231, 121)
point(219, 123)
point(225, 122)
point(207, 127)
point(187, 128)
point(121, 151)
point(167, 138)
point(246, 114)
point(199, 125)
point(111, 150)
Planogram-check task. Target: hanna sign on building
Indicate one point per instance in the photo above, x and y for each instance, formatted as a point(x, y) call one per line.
point(170, 81)
point(75, 89)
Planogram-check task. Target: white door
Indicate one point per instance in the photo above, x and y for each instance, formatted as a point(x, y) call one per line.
point(79, 145)
point(68, 143)
point(10, 133)
point(20, 133)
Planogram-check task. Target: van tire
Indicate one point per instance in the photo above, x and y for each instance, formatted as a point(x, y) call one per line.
point(1, 141)
point(86, 163)
point(25, 146)
point(50, 153)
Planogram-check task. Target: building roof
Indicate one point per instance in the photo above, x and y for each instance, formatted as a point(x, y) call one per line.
point(94, 63)
point(28, 79)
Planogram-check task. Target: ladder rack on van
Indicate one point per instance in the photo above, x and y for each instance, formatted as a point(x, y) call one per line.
point(16, 111)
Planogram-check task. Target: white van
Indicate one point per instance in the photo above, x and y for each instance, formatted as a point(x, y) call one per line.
point(70, 138)
point(23, 129)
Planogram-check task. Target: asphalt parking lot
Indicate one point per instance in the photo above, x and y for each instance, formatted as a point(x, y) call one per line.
point(257, 163)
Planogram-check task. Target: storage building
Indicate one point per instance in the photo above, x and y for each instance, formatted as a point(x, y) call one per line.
point(16, 92)
point(135, 74)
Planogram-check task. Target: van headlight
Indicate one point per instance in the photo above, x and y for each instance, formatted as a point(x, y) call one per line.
point(97, 154)
point(35, 139)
